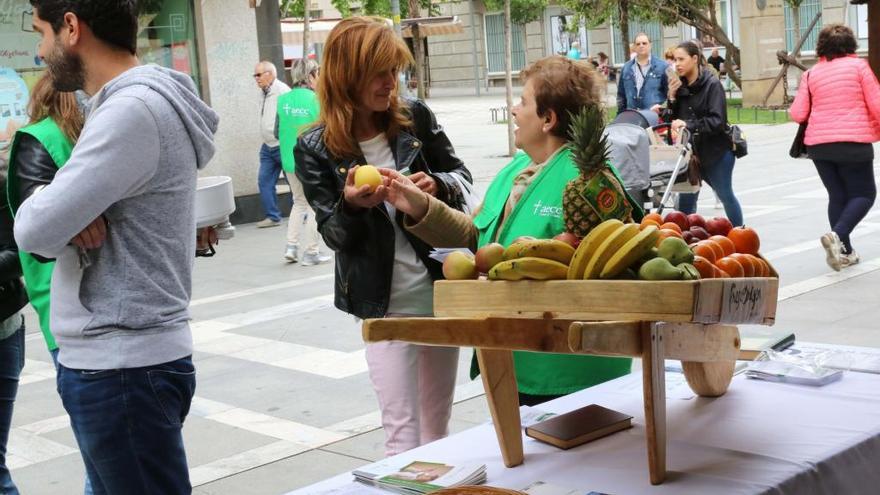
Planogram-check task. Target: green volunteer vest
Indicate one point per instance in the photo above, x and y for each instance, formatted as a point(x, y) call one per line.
point(539, 214)
point(38, 276)
point(297, 109)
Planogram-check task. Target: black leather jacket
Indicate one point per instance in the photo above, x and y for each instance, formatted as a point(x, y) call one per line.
point(12, 294)
point(703, 106)
point(364, 240)
point(34, 168)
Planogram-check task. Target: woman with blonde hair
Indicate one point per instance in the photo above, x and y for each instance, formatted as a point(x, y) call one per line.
point(38, 150)
point(381, 269)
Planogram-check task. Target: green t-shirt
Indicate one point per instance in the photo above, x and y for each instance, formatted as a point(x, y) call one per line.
point(297, 110)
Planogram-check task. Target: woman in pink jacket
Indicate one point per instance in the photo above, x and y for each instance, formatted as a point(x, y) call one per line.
point(839, 98)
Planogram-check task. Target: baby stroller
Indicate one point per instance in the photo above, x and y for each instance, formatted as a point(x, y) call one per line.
point(652, 166)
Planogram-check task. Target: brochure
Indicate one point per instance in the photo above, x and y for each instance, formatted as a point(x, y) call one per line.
point(419, 476)
point(788, 372)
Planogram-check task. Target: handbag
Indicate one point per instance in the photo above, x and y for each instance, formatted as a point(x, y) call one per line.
point(737, 141)
point(694, 175)
point(798, 148)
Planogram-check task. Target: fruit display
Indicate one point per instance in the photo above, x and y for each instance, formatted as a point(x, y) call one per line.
point(674, 247)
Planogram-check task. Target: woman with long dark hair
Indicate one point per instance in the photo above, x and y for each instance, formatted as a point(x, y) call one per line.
point(839, 98)
point(381, 269)
point(699, 105)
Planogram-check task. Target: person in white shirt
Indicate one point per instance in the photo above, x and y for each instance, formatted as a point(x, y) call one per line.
point(266, 76)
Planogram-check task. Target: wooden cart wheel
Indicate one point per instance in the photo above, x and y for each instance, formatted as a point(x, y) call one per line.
point(708, 379)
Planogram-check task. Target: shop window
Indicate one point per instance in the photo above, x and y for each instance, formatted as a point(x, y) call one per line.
point(808, 10)
point(564, 32)
point(166, 37)
point(495, 44)
point(858, 21)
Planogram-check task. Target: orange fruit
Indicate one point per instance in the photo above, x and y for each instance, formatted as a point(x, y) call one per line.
point(671, 226)
point(705, 267)
point(719, 252)
point(730, 266)
point(745, 239)
point(647, 221)
point(655, 217)
point(664, 233)
point(704, 251)
point(765, 267)
point(726, 244)
point(749, 267)
point(719, 273)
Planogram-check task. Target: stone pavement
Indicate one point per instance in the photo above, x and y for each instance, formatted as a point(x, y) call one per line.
point(283, 397)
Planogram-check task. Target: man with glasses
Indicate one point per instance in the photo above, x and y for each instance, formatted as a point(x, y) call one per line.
point(266, 76)
point(643, 82)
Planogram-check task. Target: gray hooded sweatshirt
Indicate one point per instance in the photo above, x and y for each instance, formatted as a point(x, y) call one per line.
point(146, 135)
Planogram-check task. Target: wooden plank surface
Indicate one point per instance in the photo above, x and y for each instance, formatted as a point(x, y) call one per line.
point(566, 299)
point(487, 333)
point(700, 343)
point(606, 338)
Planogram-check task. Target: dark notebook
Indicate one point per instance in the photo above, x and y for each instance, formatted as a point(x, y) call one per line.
point(579, 426)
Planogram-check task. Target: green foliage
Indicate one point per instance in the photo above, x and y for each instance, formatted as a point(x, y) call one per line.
point(380, 7)
point(521, 11)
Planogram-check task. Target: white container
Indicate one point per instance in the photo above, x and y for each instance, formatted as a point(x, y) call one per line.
point(215, 200)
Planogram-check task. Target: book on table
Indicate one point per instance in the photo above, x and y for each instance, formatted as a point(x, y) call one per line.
point(418, 477)
point(755, 340)
point(579, 426)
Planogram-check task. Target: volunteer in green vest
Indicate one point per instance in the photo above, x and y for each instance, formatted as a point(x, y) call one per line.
point(525, 199)
point(38, 151)
point(297, 111)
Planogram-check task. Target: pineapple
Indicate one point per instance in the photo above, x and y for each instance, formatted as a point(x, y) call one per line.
point(596, 194)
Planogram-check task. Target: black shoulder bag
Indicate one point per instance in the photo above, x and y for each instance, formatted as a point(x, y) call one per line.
point(798, 148)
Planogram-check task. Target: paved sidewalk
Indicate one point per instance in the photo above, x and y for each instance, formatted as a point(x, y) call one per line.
point(283, 397)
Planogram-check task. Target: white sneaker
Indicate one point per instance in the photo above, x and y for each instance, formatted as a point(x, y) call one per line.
point(314, 259)
point(290, 254)
point(833, 250)
point(849, 259)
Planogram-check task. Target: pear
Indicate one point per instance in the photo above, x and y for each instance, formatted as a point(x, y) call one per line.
point(660, 269)
point(675, 251)
point(459, 266)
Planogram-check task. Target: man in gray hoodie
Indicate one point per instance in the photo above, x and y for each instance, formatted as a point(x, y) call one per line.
point(119, 219)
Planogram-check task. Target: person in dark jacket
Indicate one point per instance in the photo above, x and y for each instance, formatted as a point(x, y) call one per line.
point(643, 81)
point(12, 299)
point(381, 269)
point(697, 102)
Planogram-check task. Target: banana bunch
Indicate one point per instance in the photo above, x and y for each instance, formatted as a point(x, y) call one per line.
point(609, 249)
point(534, 259)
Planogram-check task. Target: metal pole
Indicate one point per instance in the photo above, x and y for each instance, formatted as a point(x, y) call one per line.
point(395, 15)
point(474, 47)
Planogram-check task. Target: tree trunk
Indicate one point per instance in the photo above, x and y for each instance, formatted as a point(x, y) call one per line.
point(623, 5)
point(508, 77)
point(418, 51)
point(306, 16)
point(704, 24)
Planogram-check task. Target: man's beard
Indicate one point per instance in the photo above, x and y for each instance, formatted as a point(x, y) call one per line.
point(65, 69)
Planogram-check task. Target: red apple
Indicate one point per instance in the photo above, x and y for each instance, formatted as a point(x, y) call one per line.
point(488, 256)
point(699, 232)
point(696, 220)
point(718, 226)
point(677, 218)
point(688, 237)
point(568, 238)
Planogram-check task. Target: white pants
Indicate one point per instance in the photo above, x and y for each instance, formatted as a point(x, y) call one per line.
point(301, 213)
point(415, 384)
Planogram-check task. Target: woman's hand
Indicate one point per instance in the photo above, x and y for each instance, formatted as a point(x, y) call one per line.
point(406, 196)
point(363, 197)
point(424, 182)
point(674, 85)
point(677, 125)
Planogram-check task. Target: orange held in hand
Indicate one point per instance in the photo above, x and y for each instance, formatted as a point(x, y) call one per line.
point(745, 239)
point(730, 266)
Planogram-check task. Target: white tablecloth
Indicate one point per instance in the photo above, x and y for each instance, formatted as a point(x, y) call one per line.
point(760, 437)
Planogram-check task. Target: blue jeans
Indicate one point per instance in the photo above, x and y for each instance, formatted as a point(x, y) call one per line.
point(719, 175)
point(128, 422)
point(11, 363)
point(270, 169)
point(87, 489)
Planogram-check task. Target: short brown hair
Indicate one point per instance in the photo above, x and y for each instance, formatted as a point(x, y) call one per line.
point(563, 86)
point(836, 40)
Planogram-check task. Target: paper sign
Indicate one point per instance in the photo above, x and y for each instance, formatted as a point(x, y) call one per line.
point(743, 301)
